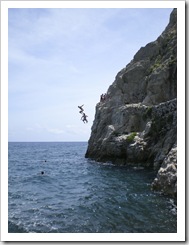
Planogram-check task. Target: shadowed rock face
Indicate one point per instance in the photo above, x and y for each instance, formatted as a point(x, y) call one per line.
point(137, 123)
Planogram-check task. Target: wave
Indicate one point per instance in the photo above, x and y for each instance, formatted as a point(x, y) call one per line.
point(15, 228)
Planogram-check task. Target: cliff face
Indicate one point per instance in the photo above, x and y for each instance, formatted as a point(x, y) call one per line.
point(137, 123)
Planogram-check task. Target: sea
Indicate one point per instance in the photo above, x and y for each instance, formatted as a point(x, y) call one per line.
point(53, 188)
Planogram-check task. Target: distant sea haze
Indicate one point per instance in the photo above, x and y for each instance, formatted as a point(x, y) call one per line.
point(75, 194)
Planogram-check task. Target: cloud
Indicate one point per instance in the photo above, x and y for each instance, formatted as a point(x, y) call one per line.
point(55, 130)
point(38, 127)
point(71, 131)
point(50, 33)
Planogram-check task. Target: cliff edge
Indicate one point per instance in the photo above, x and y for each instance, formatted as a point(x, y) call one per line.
point(136, 124)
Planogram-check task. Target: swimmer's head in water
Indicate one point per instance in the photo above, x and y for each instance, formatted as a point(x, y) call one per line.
point(42, 172)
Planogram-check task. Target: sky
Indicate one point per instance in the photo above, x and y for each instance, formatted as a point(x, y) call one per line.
point(59, 58)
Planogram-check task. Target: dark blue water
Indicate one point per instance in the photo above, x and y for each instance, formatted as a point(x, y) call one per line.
point(79, 195)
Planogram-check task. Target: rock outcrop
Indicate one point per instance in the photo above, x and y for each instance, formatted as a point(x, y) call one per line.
point(167, 175)
point(137, 122)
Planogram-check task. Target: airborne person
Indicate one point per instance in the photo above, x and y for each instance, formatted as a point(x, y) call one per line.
point(84, 118)
point(81, 109)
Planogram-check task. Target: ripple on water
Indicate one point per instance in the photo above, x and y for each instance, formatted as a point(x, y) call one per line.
point(79, 195)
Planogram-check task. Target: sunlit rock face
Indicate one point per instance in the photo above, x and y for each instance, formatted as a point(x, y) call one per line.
point(137, 122)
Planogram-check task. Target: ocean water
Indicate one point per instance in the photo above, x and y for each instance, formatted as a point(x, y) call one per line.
point(80, 195)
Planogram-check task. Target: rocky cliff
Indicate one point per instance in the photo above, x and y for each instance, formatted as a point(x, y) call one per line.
point(136, 124)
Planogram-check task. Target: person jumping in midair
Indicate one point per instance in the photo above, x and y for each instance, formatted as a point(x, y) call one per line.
point(84, 118)
point(81, 108)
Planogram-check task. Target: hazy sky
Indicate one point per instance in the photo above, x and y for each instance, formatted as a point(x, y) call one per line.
point(62, 58)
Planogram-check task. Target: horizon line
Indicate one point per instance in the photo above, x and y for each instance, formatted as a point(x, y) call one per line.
point(47, 141)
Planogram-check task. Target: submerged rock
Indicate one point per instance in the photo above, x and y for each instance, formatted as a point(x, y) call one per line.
point(137, 123)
